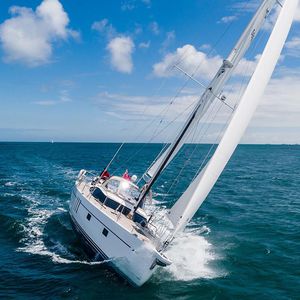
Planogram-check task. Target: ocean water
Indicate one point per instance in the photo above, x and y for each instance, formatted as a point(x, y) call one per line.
point(243, 243)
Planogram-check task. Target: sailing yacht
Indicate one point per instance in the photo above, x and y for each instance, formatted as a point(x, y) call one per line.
point(110, 213)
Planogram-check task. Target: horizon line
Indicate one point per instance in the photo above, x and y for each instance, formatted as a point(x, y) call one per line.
point(115, 142)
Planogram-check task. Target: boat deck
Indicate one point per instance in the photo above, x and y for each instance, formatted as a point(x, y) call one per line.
point(116, 216)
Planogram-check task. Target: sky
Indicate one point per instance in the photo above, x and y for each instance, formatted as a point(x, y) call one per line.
point(103, 71)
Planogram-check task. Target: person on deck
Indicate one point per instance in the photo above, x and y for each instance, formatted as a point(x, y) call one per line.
point(104, 174)
point(126, 175)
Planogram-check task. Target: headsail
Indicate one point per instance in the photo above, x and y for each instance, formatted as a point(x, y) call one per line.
point(186, 206)
point(215, 87)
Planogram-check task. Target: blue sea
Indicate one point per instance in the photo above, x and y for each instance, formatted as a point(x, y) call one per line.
point(243, 243)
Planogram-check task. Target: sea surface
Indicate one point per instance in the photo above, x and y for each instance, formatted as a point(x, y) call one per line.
point(243, 243)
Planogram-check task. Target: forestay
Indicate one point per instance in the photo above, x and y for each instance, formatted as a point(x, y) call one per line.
point(186, 206)
point(215, 87)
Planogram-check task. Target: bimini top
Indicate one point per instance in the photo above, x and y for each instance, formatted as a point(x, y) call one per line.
point(120, 195)
point(123, 188)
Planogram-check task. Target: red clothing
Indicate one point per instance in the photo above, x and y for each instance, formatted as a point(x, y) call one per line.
point(104, 174)
point(126, 175)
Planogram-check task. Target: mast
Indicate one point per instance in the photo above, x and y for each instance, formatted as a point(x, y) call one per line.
point(213, 90)
point(186, 206)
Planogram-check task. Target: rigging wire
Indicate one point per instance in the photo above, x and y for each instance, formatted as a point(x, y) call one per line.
point(242, 83)
point(208, 124)
point(144, 144)
point(165, 110)
point(114, 156)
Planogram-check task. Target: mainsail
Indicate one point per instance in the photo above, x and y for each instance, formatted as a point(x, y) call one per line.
point(215, 87)
point(186, 206)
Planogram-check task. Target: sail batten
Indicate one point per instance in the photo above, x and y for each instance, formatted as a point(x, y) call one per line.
point(186, 206)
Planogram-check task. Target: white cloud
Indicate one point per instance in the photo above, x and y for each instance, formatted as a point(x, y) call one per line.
point(197, 63)
point(64, 96)
point(127, 6)
point(121, 49)
point(188, 58)
point(293, 47)
point(170, 37)
point(103, 26)
point(293, 43)
point(138, 29)
point(46, 102)
point(227, 19)
point(153, 26)
point(277, 118)
point(205, 47)
point(28, 36)
point(245, 6)
point(100, 25)
point(246, 67)
point(144, 44)
point(271, 19)
point(250, 6)
point(144, 107)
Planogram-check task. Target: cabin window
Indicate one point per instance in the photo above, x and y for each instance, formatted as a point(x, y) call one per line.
point(124, 210)
point(98, 194)
point(88, 216)
point(111, 203)
point(139, 219)
point(105, 232)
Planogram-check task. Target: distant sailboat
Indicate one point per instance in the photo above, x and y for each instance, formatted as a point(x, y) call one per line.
point(109, 213)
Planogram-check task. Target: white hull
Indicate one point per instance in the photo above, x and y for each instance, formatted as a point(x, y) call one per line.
point(131, 254)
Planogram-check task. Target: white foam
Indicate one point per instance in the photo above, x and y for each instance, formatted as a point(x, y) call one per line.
point(34, 230)
point(62, 209)
point(162, 194)
point(10, 183)
point(69, 173)
point(191, 255)
point(40, 249)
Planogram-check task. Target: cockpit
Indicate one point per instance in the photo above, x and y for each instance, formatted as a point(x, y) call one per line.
point(121, 195)
point(123, 188)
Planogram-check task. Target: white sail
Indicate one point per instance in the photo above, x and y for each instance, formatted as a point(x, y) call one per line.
point(186, 206)
point(217, 84)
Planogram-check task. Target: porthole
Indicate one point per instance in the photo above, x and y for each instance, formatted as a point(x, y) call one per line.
point(105, 232)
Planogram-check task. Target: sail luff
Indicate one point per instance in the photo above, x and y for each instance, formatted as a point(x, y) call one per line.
point(216, 85)
point(186, 206)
